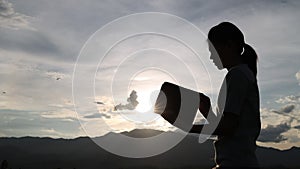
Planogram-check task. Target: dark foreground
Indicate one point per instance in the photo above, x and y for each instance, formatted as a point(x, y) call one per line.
point(83, 153)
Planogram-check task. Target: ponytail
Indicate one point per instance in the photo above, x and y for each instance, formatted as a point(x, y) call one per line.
point(249, 57)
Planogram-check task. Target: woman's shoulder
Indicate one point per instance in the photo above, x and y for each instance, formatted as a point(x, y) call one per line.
point(241, 72)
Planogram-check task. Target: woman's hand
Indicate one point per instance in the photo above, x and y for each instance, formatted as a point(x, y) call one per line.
point(204, 105)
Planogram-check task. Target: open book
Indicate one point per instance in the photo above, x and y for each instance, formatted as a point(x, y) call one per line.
point(177, 105)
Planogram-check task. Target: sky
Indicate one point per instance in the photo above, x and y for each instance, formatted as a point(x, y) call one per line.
point(42, 42)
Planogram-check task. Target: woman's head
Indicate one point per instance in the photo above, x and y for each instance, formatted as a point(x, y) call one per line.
point(228, 47)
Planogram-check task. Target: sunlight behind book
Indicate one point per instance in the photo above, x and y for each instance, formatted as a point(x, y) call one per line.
point(177, 105)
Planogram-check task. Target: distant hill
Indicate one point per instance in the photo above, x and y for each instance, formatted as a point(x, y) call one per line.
point(83, 153)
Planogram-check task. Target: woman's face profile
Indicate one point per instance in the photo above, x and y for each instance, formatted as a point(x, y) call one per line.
point(216, 54)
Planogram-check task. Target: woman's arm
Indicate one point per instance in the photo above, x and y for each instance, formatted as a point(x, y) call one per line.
point(196, 129)
point(226, 126)
point(228, 122)
point(204, 108)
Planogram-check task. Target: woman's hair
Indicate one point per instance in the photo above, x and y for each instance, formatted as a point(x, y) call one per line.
point(225, 32)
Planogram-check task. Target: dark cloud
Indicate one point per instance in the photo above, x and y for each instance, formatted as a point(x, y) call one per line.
point(11, 19)
point(97, 115)
point(297, 127)
point(132, 102)
point(288, 108)
point(99, 102)
point(285, 110)
point(6, 9)
point(273, 133)
point(29, 41)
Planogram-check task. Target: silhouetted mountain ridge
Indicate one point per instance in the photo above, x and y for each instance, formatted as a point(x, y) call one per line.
point(142, 133)
point(82, 152)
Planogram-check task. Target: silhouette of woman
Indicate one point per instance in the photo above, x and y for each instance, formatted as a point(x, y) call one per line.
point(240, 123)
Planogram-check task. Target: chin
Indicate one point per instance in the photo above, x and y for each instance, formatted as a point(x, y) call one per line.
point(219, 66)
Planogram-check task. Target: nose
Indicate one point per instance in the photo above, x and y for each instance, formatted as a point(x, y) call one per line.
point(212, 56)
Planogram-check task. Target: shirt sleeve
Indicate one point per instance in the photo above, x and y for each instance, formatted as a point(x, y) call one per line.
point(237, 86)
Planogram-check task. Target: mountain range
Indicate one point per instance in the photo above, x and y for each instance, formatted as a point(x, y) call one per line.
point(83, 153)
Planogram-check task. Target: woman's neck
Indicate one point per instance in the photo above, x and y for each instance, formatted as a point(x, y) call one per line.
point(234, 62)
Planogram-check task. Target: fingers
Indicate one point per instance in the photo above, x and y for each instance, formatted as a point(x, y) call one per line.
point(204, 105)
point(204, 98)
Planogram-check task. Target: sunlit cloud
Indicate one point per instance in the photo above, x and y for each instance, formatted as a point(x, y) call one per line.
point(97, 115)
point(31, 123)
point(280, 127)
point(56, 75)
point(298, 76)
point(292, 99)
point(60, 114)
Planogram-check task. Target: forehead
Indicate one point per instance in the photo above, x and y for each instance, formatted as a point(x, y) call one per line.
point(210, 45)
point(214, 46)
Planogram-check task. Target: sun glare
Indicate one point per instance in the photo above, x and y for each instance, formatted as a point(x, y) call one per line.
point(144, 99)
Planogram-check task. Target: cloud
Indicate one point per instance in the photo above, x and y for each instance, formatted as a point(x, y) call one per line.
point(60, 114)
point(291, 108)
point(9, 18)
point(289, 99)
point(32, 123)
point(132, 102)
point(271, 116)
point(36, 43)
point(273, 133)
point(97, 115)
point(56, 75)
point(280, 123)
point(52, 132)
point(29, 86)
point(285, 109)
point(288, 108)
point(298, 76)
point(98, 102)
point(288, 111)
